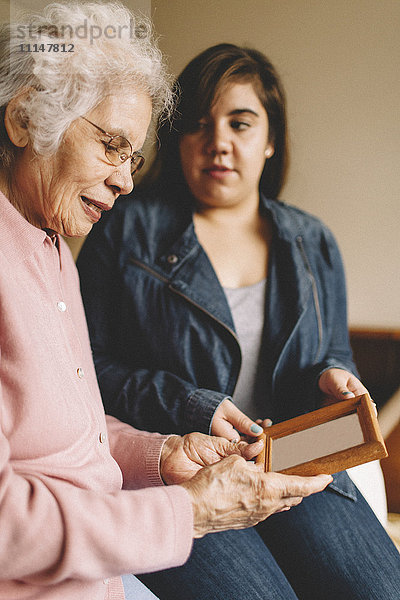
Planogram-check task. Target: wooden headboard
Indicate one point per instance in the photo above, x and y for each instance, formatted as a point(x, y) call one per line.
point(377, 356)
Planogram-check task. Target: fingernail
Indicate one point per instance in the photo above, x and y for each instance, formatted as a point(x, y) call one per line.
point(256, 428)
point(347, 393)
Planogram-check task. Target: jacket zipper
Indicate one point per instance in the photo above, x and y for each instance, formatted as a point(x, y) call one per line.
point(299, 241)
point(179, 293)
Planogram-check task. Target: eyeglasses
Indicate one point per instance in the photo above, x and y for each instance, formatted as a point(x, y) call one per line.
point(118, 150)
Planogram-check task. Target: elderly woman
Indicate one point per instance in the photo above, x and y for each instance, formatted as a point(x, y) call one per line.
point(75, 112)
point(214, 304)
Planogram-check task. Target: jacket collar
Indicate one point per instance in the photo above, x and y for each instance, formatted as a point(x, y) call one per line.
point(189, 271)
point(290, 252)
point(287, 223)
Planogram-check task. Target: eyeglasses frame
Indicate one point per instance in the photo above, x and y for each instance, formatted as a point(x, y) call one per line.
point(133, 154)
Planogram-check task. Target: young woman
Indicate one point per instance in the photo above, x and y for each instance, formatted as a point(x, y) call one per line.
point(213, 306)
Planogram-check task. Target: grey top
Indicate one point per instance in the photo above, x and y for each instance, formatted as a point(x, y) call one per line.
point(247, 306)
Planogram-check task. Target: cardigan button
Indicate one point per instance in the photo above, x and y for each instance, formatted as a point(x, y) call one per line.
point(102, 437)
point(62, 307)
point(172, 259)
point(80, 373)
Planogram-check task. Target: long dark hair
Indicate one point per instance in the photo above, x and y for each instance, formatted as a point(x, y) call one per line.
point(197, 88)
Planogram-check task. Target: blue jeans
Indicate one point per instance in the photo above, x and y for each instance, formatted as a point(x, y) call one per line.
point(329, 547)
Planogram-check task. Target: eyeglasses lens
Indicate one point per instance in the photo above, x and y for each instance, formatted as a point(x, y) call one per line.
point(118, 150)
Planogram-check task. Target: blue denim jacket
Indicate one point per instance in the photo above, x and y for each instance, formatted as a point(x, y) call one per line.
point(163, 340)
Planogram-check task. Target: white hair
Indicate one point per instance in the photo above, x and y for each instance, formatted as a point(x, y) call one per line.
point(69, 58)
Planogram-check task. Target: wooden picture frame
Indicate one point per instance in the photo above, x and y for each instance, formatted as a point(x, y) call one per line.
point(327, 440)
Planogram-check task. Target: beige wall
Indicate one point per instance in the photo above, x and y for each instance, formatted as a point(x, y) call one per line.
point(4, 11)
point(11, 6)
point(339, 61)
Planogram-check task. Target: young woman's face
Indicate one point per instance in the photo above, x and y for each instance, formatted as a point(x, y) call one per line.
point(222, 160)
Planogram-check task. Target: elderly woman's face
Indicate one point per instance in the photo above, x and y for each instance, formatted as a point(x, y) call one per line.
point(68, 191)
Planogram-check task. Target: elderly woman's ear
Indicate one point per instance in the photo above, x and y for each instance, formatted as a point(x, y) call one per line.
point(15, 120)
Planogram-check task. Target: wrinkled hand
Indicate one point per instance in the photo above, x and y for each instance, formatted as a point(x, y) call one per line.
point(338, 384)
point(235, 494)
point(228, 420)
point(183, 457)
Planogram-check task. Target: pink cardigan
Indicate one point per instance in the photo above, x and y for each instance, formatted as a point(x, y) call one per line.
point(67, 529)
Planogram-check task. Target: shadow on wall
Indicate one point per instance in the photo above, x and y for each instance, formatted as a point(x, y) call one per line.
point(75, 245)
